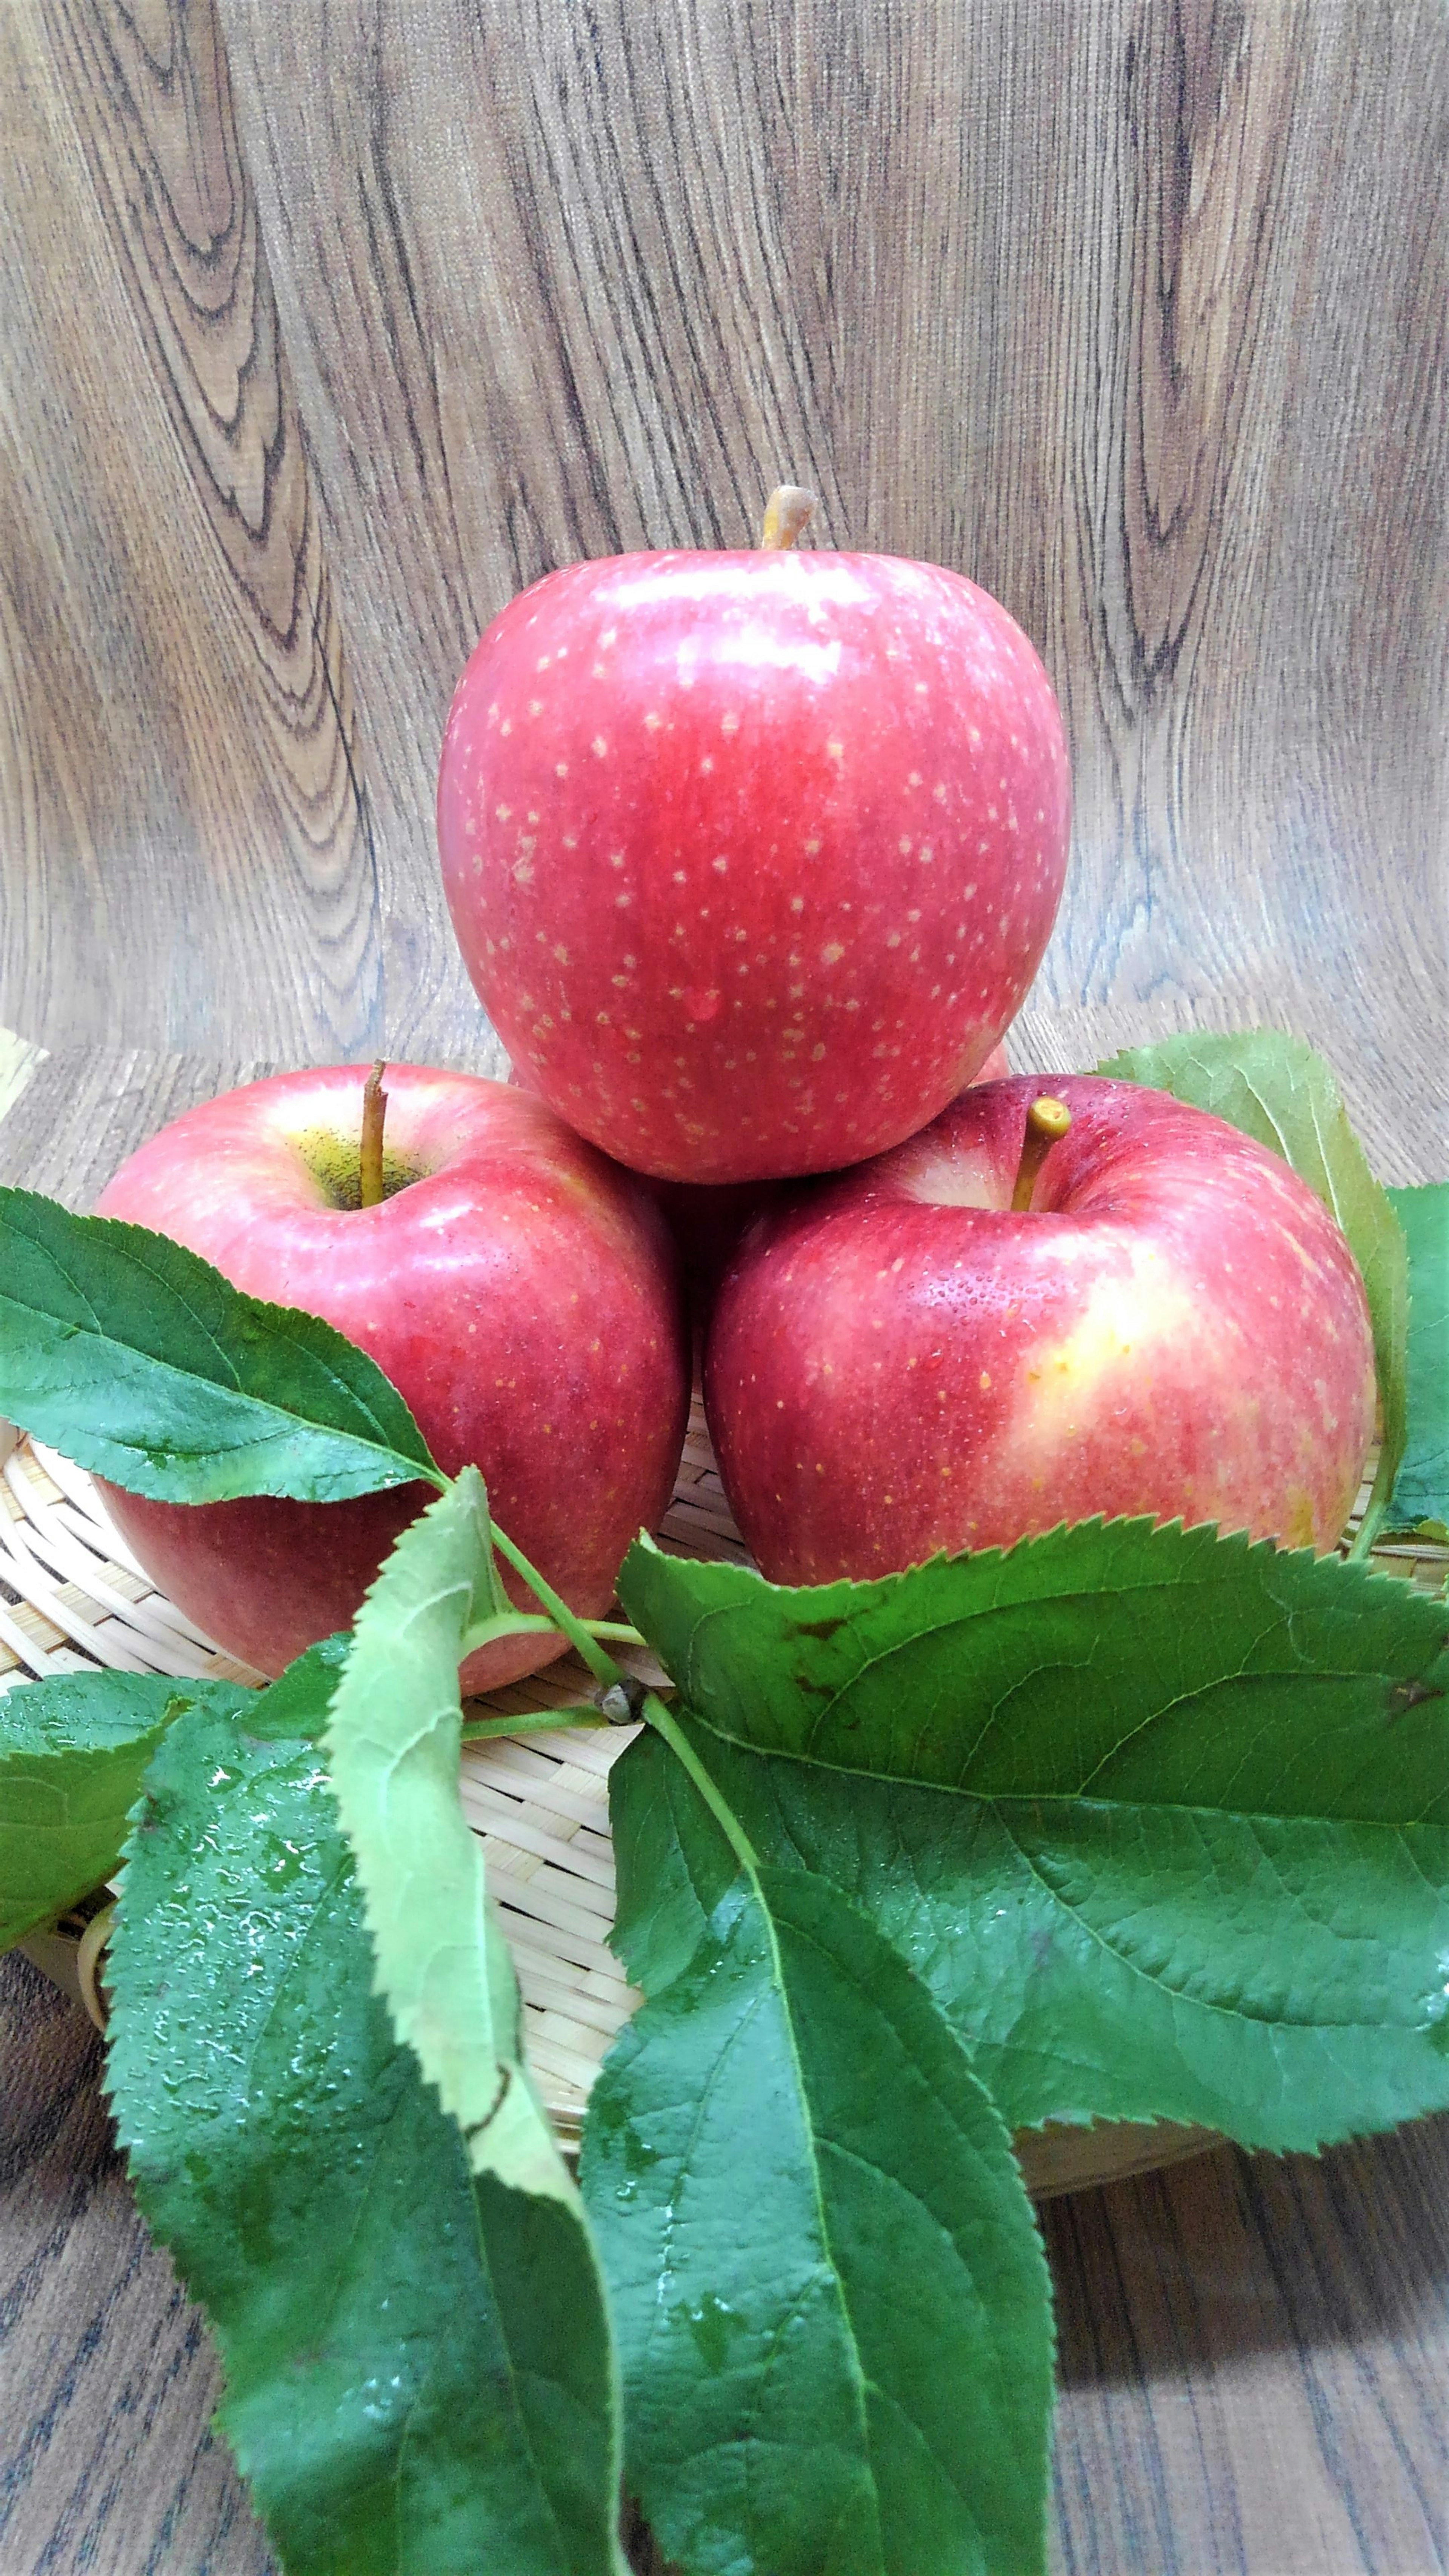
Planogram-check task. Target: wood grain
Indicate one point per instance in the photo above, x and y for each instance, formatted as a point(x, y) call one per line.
point(1253, 2364)
point(1133, 311)
point(85, 1109)
point(111, 2379)
point(186, 851)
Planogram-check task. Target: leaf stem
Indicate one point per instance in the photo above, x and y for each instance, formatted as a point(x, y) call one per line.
point(618, 1629)
point(374, 1111)
point(509, 1623)
point(1372, 1522)
point(600, 1663)
point(535, 1721)
point(659, 1717)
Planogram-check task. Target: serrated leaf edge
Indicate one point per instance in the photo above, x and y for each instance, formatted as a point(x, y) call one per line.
point(280, 1320)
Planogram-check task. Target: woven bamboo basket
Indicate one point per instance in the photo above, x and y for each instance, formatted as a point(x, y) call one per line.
point(73, 1598)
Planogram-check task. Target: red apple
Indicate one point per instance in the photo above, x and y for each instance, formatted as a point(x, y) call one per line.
point(518, 1290)
point(707, 1220)
point(899, 1364)
point(752, 857)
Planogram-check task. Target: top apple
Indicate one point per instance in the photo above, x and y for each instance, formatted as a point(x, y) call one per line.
point(752, 857)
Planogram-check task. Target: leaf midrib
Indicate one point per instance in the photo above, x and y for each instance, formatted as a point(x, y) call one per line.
point(995, 1798)
point(750, 1876)
point(424, 1610)
point(895, 2182)
point(542, 2491)
point(857, 2367)
point(876, 1659)
point(1158, 1984)
point(229, 1382)
point(235, 1393)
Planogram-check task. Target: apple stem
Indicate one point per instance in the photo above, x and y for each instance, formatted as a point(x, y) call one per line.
point(788, 513)
point(1046, 1121)
point(374, 1111)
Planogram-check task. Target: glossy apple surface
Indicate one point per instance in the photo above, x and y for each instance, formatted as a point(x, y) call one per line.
point(707, 1221)
point(752, 857)
point(898, 1364)
point(520, 1292)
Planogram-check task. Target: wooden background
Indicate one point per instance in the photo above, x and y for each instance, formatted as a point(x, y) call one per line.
point(322, 328)
point(325, 327)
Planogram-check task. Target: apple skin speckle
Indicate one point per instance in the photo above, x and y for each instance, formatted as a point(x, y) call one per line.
point(465, 1286)
point(1176, 1326)
point(724, 748)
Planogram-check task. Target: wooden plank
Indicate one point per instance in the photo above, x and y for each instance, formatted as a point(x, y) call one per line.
point(109, 2463)
point(1132, 313)
point(86, 1109)
point(187, 857)
point(1253, 2363)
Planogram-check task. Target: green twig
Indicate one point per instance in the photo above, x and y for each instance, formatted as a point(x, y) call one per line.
point(534, 1721)
point(600, 1664)
point(508, 1623)
point(1368, 1529)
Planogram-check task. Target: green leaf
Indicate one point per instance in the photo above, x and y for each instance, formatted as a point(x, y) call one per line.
point(1161, 1819)
point(1112, 1657)
point(829, 2291)
point(1278, 1089)
point(1420, 1498)
point(297, 1704)
point(73, 1754)
point(418, 2370)
point(139, 1361)
point(393, 1740)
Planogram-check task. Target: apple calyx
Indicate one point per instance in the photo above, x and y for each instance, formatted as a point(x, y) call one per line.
point(1046, 1121)
point(788, 513)
point(370, 1191)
